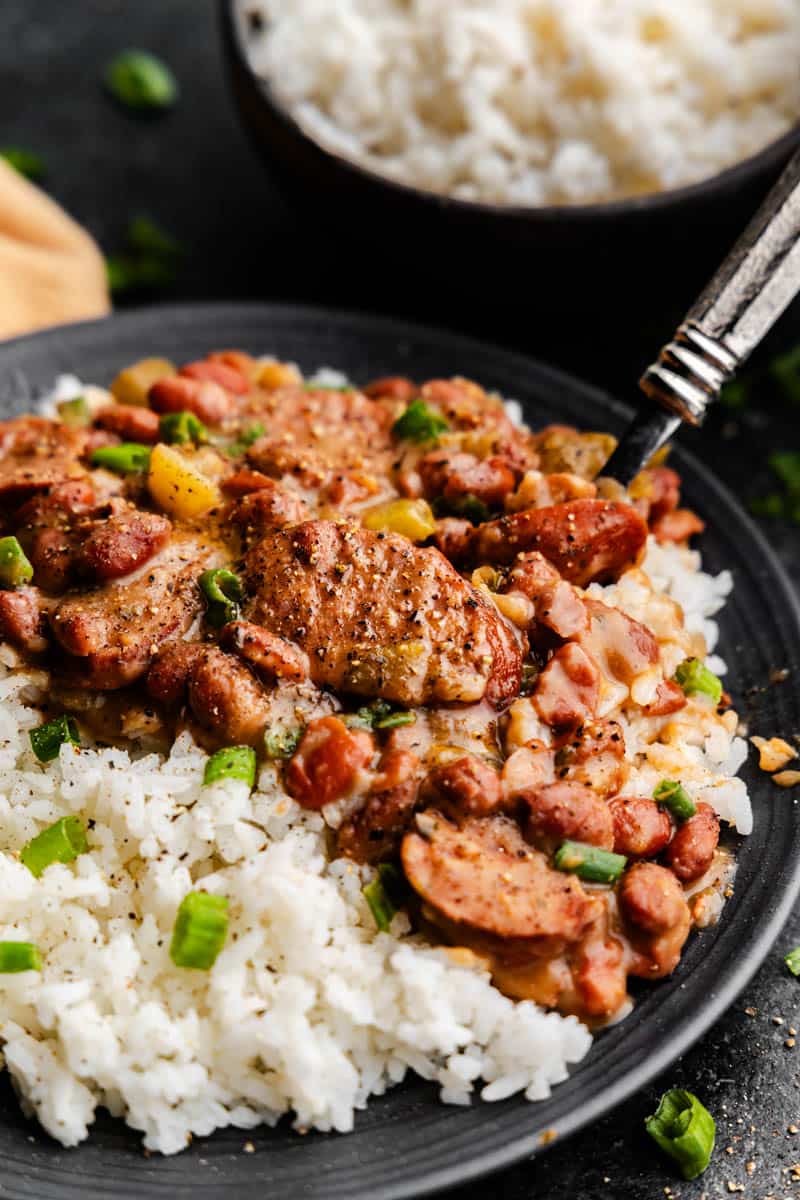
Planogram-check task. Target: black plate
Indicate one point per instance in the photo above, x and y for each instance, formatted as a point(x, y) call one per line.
point(406, 1143)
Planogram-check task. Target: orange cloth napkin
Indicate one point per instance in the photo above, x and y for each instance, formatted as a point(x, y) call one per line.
point(50, 269)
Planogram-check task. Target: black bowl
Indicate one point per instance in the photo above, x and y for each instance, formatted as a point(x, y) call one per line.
point(565, 257)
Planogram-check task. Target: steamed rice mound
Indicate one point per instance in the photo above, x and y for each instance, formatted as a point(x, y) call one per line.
point(308, 1008)
point(532, 102)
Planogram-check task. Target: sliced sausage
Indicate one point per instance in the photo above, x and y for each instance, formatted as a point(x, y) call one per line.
point(586, 540)
point(481, 882)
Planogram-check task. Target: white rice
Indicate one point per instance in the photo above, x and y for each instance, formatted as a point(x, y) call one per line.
point(308, 1009)
point(534, 102)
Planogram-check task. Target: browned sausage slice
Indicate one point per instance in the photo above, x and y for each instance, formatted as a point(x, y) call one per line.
point(587, 540)
point(483, 879)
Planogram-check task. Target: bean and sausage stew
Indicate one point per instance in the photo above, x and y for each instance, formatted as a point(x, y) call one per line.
point(386, 591)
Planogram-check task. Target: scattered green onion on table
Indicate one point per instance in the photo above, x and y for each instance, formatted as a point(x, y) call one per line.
point(141, 82)
point(685, 1130)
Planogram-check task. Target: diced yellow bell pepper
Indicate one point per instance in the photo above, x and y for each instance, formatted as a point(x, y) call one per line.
point(132, 385)
point(412, 518)
point(178, 486)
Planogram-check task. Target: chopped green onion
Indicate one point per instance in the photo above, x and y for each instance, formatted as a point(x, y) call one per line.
point(180, 427)
point(470, 508)
point(245, 440)
point(792, 960)
point(692, 676)
point(684, 1129)
point(785, 370)
point(127, 459)
point(140, 81)
point(327, 387)
point(673, 796)
point(19, 956)
point(281, 743)
point(384, 895)
point(201, 927)
point(23, 161)
point(395, 720)
point(74, 412)
point(47, 739)
point(15, 569)
point(419, 423)
point(590, 862)
point(378, 715)
point(223, 592)
point(234, 762)
point(61, 842)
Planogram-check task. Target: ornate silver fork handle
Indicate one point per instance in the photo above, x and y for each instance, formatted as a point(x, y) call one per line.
point(742, 302)
point(751, 289)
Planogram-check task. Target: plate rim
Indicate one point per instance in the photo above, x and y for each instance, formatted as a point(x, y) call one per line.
point(590, 1110)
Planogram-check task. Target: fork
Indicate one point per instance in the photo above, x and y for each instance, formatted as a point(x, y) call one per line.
point(748, 293)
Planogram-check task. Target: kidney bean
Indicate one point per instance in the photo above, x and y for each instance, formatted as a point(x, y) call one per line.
point(691, 851)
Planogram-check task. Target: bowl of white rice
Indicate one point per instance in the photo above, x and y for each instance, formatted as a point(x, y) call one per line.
point(586, 132)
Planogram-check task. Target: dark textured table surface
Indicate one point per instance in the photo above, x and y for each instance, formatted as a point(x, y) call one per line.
point(193, 171)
